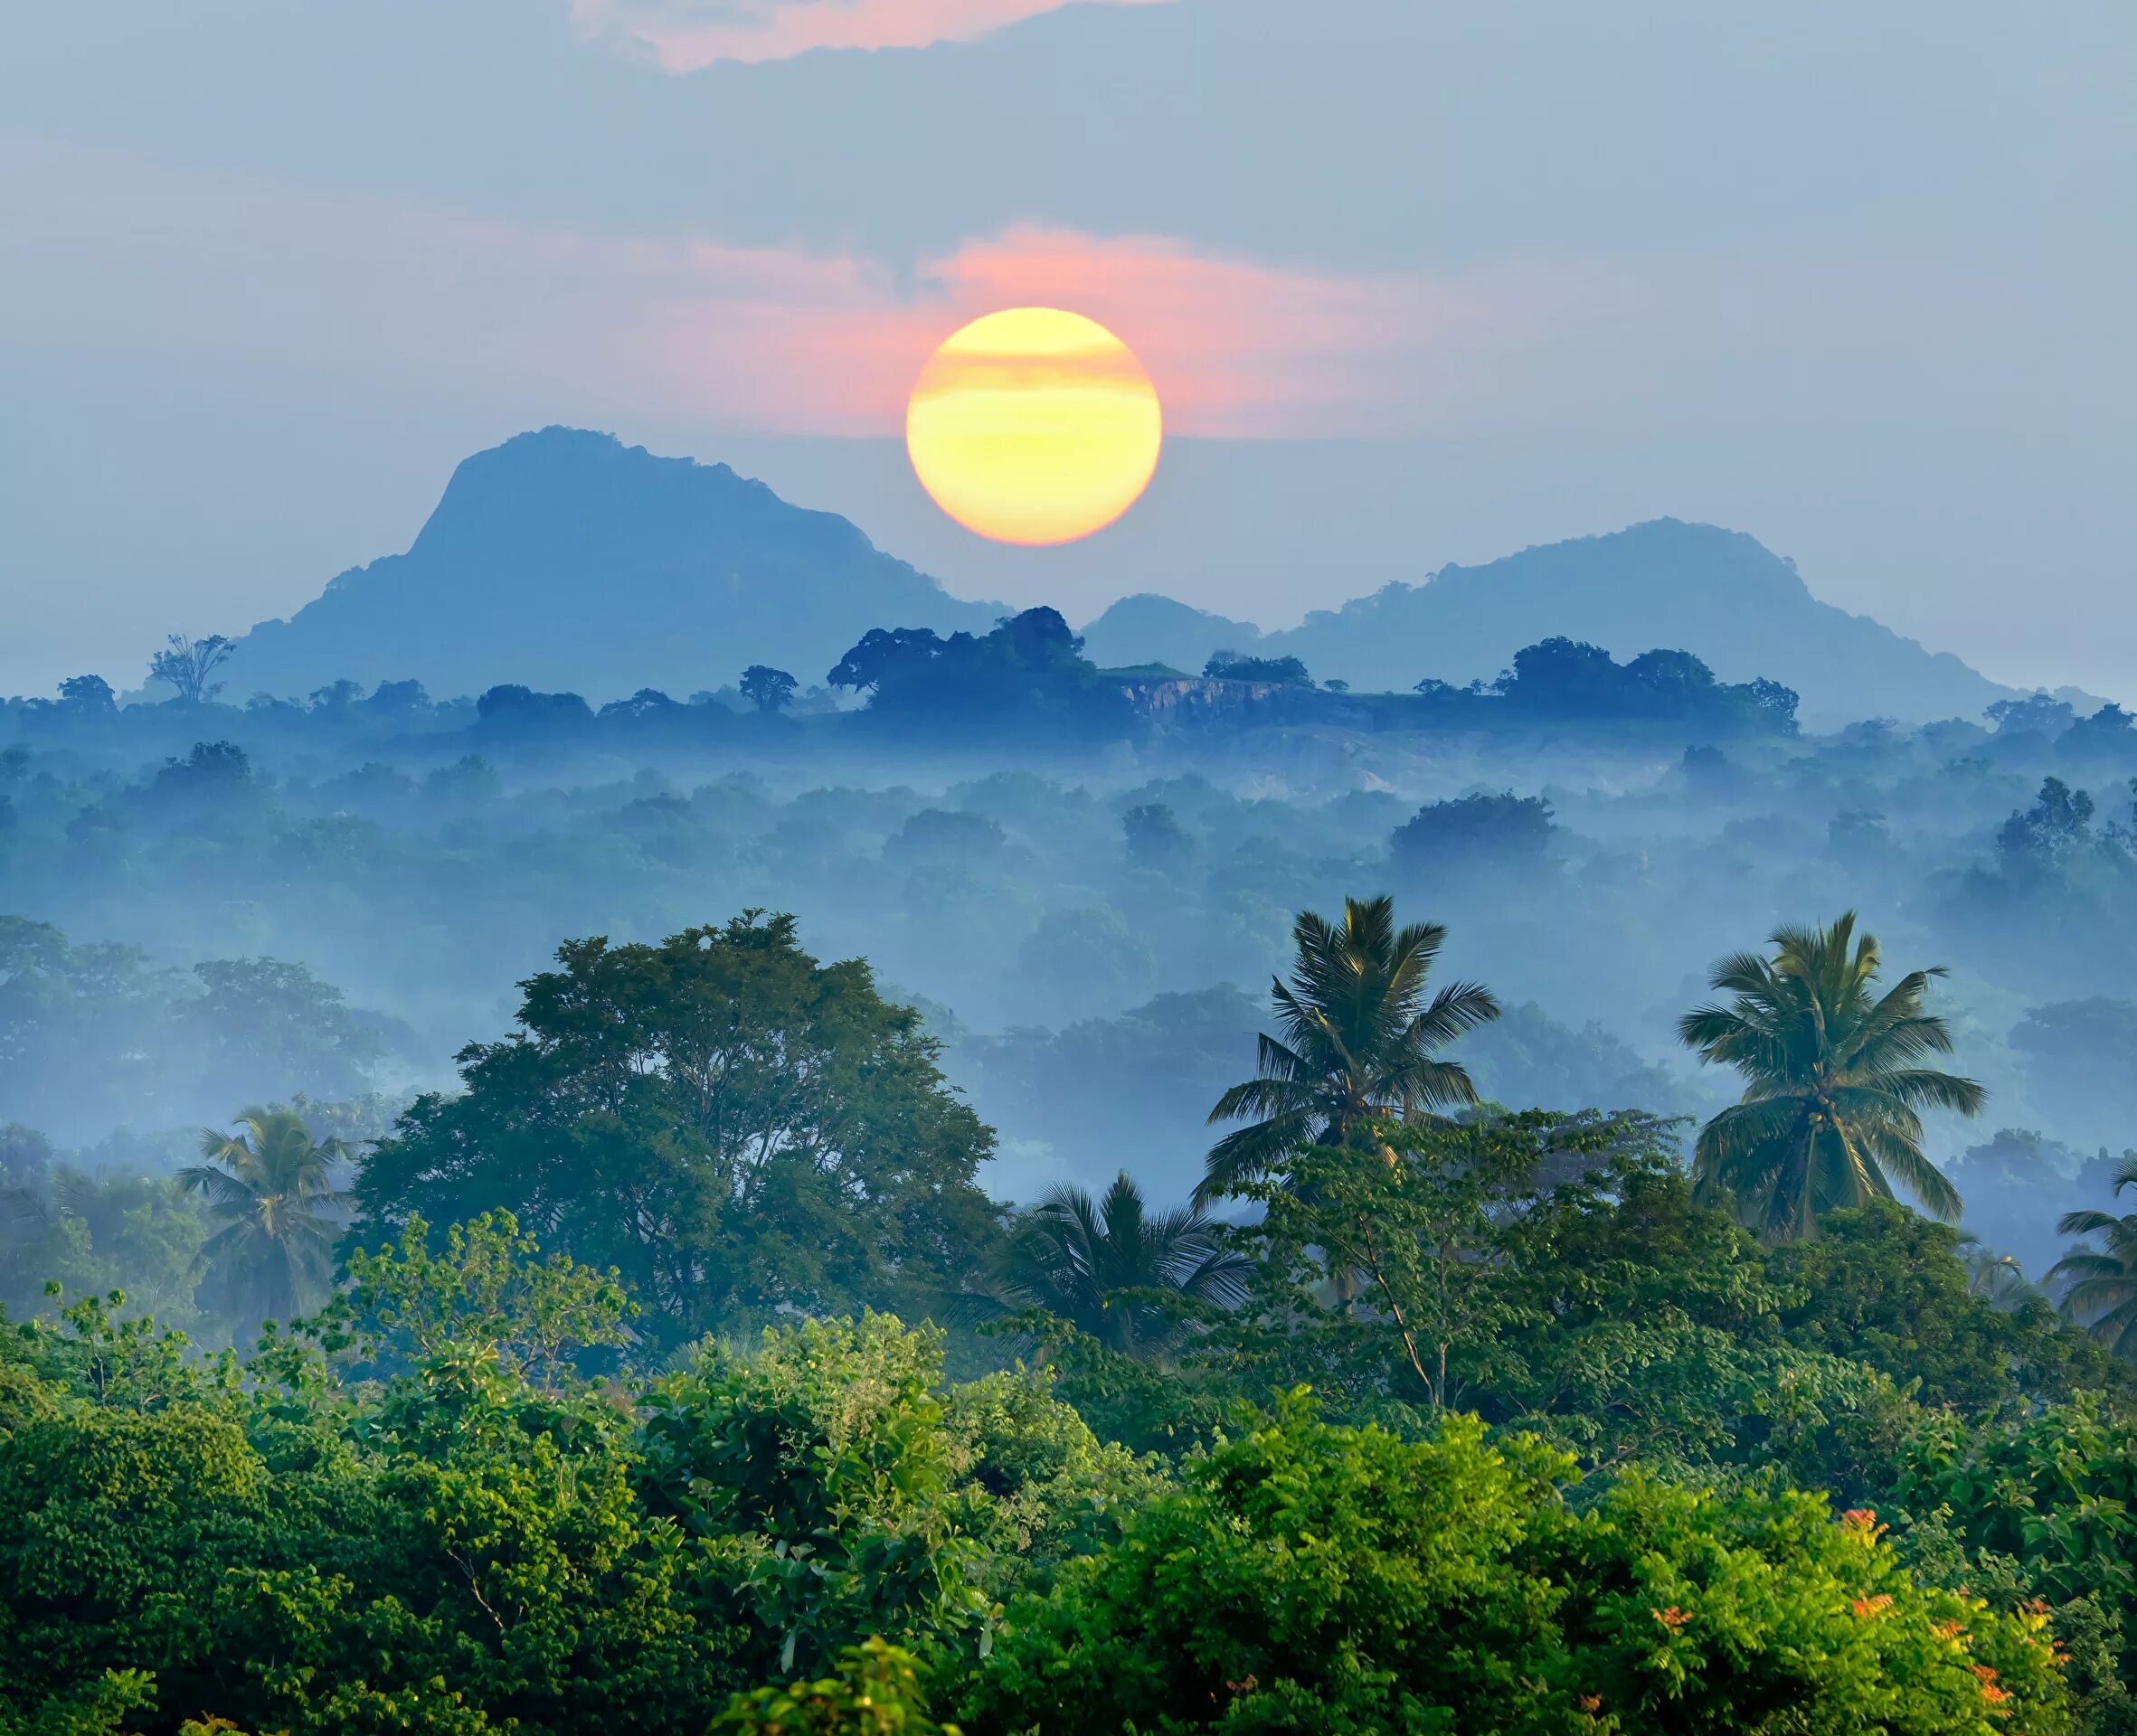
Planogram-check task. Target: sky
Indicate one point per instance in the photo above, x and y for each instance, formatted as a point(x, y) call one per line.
point(1415, 282)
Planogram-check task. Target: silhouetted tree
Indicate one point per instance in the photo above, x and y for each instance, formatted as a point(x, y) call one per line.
point(1230, 666)
point(766, 688)
point(1501, 829)
point(1154, 837)
point(89, 696)
point(2036, 713)
point(2058, 827)
point(188, 664)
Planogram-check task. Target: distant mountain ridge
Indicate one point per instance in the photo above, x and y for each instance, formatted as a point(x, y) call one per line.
point(565, 561)
point(1722, 595)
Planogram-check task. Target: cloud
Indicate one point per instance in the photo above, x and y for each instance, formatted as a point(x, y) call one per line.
point(683, 36)
point(253, 288)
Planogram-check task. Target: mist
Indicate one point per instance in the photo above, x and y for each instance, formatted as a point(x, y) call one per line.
point(1084, 881)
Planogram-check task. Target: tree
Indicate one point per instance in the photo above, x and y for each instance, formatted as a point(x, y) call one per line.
point(1280, 672)
point(2054, 831)
point(487, 1290)
point(733, 1124)
point(2038, 712)
point(876, 1690)
point(1403, 1236)
point(188, 664)
point(1829, 1113)
point(25, 1155)
point(336, 697)
point(272, 1186)
point(899, 654)
point(88, 695)
point(511, 707)
point(2102, 1293)
point(265, 1023)
point(1886, 1287)
point(1501, 830)
point(1996, 1278)
point(1155, 836)
point(214, 776)
point(766, 688)
point(1320, 1580)
point(1030, 673)
point(1357, 1041)
point(1108, 1265)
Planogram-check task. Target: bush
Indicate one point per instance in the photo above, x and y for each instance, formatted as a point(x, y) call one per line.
point(1312, 1579)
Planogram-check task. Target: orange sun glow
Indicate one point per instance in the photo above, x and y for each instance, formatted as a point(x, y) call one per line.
point(1034, 426)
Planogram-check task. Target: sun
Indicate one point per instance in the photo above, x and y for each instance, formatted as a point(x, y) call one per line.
point(1034, 426)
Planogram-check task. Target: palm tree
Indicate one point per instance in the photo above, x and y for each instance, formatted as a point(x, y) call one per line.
point(2102, 1293)
point(1997, 1278)
point(272, 1186)
point(1358, 1042)
point(1832, 1085)
point(1105, 1266)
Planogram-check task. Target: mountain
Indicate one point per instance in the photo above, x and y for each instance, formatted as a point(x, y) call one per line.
point(1663, 585)
point(564, 560)
point(1150, 628)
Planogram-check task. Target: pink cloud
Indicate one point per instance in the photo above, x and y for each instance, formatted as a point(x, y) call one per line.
point(251, 286)
point(1236, 349)
point(686, 34)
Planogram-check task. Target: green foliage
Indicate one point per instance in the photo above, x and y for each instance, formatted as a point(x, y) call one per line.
point(1888, 1288)
point(98, 1234)
point(1057, 1491)
point(1317, 1579)
point(270, 1185)
point(2101, 1293)
point(2056, 1493)
point(489, 1291)
point(1556, 1275)
point(875, 1692)
point(101, 1707)
point(732, 1126)
point(1832, 1083)
point(457, 1548)
point(1398, 1236)
point(477, 1538)
point(820, 1484)
point(1114, 1270)
point(1358, 1041)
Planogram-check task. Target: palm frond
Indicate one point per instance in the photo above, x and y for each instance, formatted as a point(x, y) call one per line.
point(1458, 1008)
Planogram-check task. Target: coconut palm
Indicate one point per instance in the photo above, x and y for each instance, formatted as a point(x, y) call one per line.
point(1997, 1278)
point(271, 1184)
point(1832, 1084)
point(1358, 1043)
point(2102, 1293)
point(1105, 1265)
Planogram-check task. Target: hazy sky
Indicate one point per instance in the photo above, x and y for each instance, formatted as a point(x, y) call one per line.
point(1416, 283)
